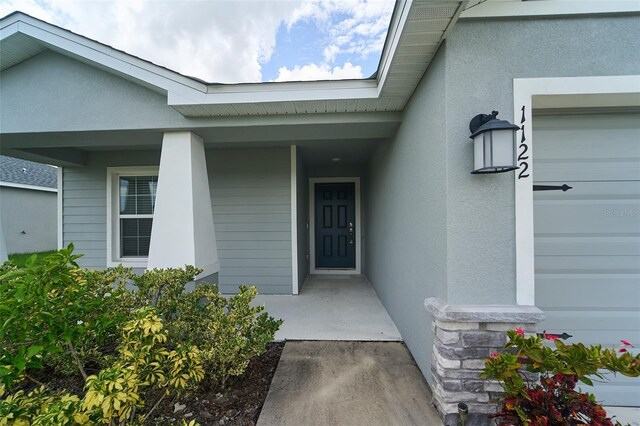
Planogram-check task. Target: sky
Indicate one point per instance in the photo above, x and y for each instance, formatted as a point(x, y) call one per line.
point(232, 41)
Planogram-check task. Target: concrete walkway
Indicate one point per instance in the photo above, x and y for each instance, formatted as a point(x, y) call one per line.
point(332, 307)
point(348, 383)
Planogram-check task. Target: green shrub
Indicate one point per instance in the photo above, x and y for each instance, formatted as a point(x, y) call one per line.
point(116, 395)
point(53, 310)
point(156, 339)
point(228, 331)
point(41, 407)
point(20, 259)
point(143, 364)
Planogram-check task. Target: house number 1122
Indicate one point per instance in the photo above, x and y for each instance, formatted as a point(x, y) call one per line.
point(523, 159)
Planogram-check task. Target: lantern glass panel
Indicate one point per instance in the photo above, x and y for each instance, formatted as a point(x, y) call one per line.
point(503, 148)
point(478, 152)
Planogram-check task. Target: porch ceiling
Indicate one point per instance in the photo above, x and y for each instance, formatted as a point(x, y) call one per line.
point(319, 141)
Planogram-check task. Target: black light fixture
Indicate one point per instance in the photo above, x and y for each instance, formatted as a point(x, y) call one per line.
point(494, 144)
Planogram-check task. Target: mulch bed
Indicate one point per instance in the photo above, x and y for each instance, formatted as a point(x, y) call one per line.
point(239, 404)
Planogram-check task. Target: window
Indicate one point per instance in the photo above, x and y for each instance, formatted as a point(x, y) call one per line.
point(137, 198)
point(131, 201)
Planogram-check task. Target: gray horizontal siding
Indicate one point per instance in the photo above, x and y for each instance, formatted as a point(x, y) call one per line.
point(84, 210)
point(251, 201)
point(250, 196)
point(254, 254)
point(249, 209)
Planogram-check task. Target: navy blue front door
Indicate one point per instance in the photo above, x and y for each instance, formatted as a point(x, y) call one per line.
point(335, 225)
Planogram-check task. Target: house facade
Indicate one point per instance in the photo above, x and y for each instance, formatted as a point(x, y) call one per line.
point(28, 206)
point(267, 183)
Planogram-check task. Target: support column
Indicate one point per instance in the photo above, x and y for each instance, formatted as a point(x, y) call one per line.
point(183, 232)
point(464, 335)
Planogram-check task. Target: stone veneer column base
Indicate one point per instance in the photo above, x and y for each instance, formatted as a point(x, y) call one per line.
point(464, 335)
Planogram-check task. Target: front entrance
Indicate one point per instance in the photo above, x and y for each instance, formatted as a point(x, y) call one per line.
point(335, 226)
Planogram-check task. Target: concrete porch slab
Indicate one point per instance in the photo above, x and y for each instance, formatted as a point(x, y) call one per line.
point(332, 307)
point(348, 383)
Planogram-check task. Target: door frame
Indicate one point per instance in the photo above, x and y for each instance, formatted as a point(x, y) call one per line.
point(312, 226)
point(560, 92)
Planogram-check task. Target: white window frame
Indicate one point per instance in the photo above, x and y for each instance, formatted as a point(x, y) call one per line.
point(560, 92)
point(113, 214)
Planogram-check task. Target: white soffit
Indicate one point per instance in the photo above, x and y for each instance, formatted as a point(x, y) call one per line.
point(511, 8)
point(17, 48)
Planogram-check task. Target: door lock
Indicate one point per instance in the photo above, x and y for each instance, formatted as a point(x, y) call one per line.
point(350, 233)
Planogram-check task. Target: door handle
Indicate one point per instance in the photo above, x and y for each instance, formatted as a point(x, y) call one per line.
point(350, 233)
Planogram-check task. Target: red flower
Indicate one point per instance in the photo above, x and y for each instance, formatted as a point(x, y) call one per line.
point(495, 355)
point(519, 331)
point(622, 350)
point(626, 343)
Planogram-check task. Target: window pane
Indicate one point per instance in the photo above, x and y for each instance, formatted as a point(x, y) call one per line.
point(144, 204)
point(135, 237)
point(124, 191)
point(137, 194)
point(129, 206)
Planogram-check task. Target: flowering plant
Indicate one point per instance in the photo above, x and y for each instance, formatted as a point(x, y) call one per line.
point(554, 399)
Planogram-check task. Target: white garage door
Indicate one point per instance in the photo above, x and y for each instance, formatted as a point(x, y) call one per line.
point(587, 239)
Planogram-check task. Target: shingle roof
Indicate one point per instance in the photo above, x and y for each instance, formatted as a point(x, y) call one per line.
point(25, 172)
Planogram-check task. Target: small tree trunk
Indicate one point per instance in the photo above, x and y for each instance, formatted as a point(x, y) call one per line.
point(77, 359)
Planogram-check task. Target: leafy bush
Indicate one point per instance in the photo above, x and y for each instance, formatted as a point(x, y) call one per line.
point(54, 310)
point(228, 331)
point(20, 259)
point(116, 394)
point(144, 364)
point(554, 400)
point(149, 342)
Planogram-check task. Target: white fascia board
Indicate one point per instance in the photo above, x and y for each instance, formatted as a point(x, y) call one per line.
point(32, 187)
point(278, 92)
point(393, 38)
point(59, 39)
point(506, 8)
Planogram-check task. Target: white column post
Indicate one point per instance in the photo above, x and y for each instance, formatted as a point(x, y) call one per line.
point(183, 232)
point(294, 220)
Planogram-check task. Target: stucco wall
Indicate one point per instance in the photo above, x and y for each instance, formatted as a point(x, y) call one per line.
point(50, 92)
point(28, 219)
point(251, 199)
point(406, 215)
point(433, 228)
point(482, 59)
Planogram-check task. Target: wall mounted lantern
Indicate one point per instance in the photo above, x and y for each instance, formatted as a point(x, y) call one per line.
point(494, 144)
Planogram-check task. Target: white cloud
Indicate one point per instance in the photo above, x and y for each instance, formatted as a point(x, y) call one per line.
point(323, 71)
point(220, 41)
point(330, 53)
point(215, 41)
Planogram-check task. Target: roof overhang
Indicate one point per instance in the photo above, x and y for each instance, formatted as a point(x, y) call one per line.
point(417, 29)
